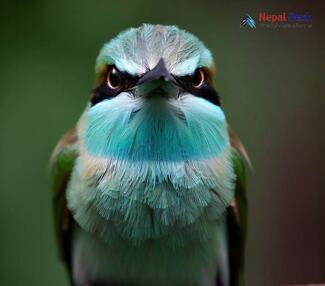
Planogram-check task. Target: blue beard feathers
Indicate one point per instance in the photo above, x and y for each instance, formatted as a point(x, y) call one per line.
point(155, 129)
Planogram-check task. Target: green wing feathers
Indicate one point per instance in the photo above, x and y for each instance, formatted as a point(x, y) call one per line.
point(61, 165)
point(237, 214)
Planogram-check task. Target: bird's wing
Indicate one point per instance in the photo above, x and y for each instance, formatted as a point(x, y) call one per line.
point(237, 214)
point(61, 164)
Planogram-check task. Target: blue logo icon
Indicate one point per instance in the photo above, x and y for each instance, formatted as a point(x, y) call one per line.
point(248, 21)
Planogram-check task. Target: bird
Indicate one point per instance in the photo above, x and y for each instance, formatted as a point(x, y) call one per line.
point(149, 187)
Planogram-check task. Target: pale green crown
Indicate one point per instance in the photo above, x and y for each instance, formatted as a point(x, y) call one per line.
point(138, 50)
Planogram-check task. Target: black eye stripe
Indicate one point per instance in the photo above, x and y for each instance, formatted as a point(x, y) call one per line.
point(205, 91)
point(100, 93)
point(103, 91)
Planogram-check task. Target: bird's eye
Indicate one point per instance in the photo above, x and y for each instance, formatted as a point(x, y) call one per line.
point(198, 78)
point(114, 80)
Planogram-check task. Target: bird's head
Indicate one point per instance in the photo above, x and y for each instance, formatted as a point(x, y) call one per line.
point(155, 98)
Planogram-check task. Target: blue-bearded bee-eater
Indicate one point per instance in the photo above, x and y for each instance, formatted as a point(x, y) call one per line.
point(149, 187)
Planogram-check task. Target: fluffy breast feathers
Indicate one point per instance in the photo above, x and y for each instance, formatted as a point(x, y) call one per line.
point(162, 170)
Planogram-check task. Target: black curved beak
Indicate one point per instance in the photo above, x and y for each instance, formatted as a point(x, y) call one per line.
point(159, 72)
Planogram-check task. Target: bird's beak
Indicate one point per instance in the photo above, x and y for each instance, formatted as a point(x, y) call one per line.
point(159, 72)
point(159, 78)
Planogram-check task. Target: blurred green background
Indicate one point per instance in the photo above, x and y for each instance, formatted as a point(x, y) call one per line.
point(272, 86)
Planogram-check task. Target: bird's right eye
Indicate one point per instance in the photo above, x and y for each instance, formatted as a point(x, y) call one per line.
point(113, 83)
point(114, 79)
point(198, 78)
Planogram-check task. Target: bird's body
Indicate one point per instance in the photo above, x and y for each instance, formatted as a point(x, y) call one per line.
point(145, 183)
point(151, 263)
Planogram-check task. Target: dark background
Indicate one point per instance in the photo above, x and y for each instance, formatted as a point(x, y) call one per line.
point(272, 86)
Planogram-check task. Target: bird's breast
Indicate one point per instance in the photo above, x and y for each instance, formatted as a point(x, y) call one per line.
point(139, 201)
point(152, 175)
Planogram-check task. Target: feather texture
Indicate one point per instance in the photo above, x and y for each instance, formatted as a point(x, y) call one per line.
point(151, 179)
point(137, 50)
point(156, 175)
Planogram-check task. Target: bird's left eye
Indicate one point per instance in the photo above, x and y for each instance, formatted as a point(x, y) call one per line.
point(114, 80)
point(198, 78)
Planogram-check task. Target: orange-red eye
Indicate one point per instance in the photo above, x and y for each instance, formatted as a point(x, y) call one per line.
point(114, 80)
point(198, 78)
